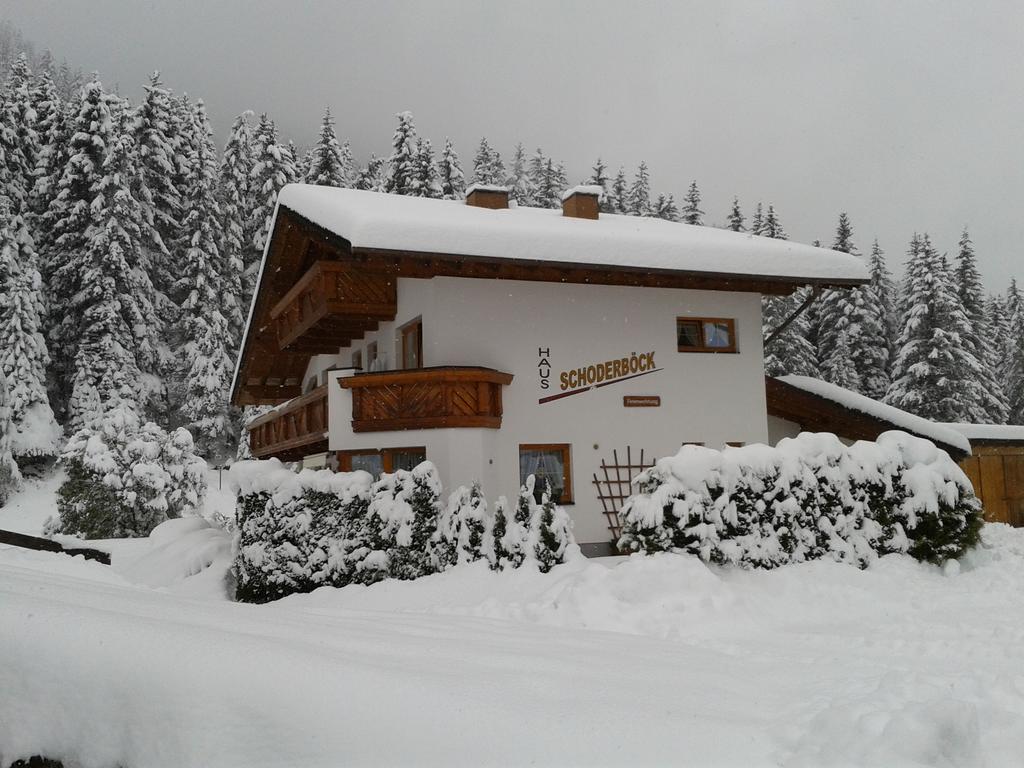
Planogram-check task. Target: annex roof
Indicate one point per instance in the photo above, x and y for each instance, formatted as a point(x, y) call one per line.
point(378, 221)
point(821, 406)
point(990, 434)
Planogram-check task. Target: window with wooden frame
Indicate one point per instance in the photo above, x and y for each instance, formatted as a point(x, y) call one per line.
point(706, 334)
point(380, 460)
point(551, 466)
point(371, 356)
point(357, 359)
point(412, 344)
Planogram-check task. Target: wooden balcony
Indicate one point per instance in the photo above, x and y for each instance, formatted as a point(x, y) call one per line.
point(332, 305)
point(296, 429)
point(426, 398)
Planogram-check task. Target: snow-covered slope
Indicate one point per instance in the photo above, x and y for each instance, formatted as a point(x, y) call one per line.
point(656, 661)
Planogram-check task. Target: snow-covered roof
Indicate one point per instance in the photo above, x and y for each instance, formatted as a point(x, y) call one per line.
point(374, 220)
point(989, 433)
point(908, 422)
point(583, 189)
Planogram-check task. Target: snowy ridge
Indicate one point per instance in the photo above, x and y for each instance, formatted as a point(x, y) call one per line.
point(394, 222)
point(989, 432)
point(901, 419)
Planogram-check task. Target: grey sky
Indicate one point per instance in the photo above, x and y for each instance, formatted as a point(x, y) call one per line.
point(907, 115)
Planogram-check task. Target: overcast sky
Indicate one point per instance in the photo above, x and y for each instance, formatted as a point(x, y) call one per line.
point(908, 116)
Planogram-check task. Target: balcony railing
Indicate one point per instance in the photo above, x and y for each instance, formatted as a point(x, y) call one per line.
point(426, 398)
point(331, 306)
point(293, 430)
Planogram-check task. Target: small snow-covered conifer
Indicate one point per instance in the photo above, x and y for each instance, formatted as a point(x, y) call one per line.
point(665, 208)
point(488, 167)
point(452, 179)
point(428, 181)
point(550, 533)
point(10, 477)
point(639, 197)
point(330, 164)
point(236, 205)
point(403, 172)
point(736, 216)
point(618, 200)
point(692, 214)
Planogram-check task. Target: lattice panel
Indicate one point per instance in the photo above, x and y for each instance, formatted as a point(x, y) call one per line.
point(464, 399)
point(614, 485)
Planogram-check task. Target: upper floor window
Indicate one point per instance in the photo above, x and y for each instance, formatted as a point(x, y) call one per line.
point(706, 334)
point(357, 359)
point(371, 356)
point(412, 344)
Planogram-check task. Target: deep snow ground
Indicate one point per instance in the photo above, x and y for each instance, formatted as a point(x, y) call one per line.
point(641, 661)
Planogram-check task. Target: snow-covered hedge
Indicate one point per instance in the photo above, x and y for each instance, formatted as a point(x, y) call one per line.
point(809, 497)
point(300, 531)
point(125, 477)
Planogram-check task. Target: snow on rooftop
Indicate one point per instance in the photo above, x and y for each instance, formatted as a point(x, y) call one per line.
point(484, 188)
point(394, 222)
point(583, 189)
point(908, 422)
point(989, 432)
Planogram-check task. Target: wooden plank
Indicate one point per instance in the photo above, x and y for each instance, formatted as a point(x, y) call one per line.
point(972, 468)
point(25, 541)
point(992, 482)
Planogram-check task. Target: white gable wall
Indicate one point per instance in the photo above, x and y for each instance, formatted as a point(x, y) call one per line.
point(709, 398)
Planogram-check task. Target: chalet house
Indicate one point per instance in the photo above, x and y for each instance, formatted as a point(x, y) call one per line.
point(502, 341)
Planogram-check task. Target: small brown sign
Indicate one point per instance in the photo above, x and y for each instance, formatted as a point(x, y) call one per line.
point(642, 401)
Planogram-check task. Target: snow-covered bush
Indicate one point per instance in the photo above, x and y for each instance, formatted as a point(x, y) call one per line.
point(404, 513)
point(297, 532)
point(807, 498)
point(300, 531)
point(463, 527)
point(124, 478)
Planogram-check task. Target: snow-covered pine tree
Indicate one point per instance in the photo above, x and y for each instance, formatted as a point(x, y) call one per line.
point(692, 214)
point(838, 368)
point(157, 135)
point(599, 177)
point(840, 313)
point(736, 217)
point(790, 352)
point(66, 221)
point(618, 200)
point(665, 208)
point(549, 185)
point(497, 555)
point(32, 430)
point(272, 167)
point(541, 193)
point(452, 179)
point(771, 226)
point(204, 364)
point(518, 179)
point(488, 167)
point(1013, 299)
point(10, 477)
point(1000, 320)
point(639, 196)
point(330, 164)
point(428, 181)
point(113, 307)
point(54, 139)
point(402, 164)
point(19, 142)
point(934, 375)
point(236, 210)
point(1015, 368)
point(371, 177)
point(465, 526)
point(757, 223)
point(978, 338)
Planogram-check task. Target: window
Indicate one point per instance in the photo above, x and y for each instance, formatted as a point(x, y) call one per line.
point(551, 466)
point(412, 344)
point(706, 334)
point(380, 460)
point(357, 359)
point(371, 356)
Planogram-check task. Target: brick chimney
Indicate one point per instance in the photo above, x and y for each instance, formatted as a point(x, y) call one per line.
point(487, 196)
point(582, 202)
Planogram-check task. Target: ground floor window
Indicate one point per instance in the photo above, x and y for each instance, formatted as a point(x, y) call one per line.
point(380, 460)
point(551, 465)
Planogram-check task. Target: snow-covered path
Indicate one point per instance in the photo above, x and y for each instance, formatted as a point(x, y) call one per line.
point(656, 661)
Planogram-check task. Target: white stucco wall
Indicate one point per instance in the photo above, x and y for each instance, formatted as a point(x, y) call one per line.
point(709, 398)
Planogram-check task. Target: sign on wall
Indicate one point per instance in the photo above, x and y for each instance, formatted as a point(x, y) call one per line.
point(576, 381)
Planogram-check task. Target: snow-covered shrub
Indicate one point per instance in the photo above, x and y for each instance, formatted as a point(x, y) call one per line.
point(403, 515)
point(551, 534)
point(496, 553)
point(463, 527)
point(124, 478)
point(297, 531)
point(807, 498)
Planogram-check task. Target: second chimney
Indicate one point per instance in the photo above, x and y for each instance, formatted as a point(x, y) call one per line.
point(487, 196)
point(582, 202)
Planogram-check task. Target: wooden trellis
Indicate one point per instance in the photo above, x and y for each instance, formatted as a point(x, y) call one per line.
point(616, 485)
